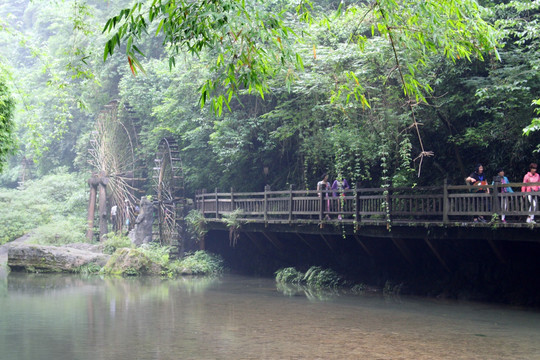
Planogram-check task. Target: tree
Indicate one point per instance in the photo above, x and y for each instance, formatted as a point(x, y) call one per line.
point(7, 133)
point(249, 45)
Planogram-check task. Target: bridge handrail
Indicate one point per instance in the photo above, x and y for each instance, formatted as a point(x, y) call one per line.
point(420, 204)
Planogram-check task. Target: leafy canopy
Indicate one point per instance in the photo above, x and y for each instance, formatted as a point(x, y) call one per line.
point(249, 42)
point(246, 43)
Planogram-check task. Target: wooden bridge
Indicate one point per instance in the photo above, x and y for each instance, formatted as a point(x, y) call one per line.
point(420, 212)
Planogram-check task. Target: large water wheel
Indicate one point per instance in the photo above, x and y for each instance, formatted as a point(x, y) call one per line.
point(170, 198)
point(112, 154)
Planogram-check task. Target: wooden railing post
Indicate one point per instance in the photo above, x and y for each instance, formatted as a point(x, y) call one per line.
point(203, 200)
point(495, 197)
point(217, 204)
point(232, 199)
point(290, 203)
point(265, 204)
point(446, 202)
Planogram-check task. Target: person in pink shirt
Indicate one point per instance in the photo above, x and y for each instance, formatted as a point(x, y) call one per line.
point(531, 177)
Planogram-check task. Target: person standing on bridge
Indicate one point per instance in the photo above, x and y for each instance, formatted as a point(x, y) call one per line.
point(507, 189)
point(531, 177)
point(478, 178)
point(338, 186)
point(324, 186)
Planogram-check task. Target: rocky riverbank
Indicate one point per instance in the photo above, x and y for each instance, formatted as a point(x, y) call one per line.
point(21, 255)
point(115, 256)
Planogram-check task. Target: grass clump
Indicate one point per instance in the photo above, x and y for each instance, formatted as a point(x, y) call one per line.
point(88, 269)
point(114, 242)
point(156, 253)
point(198, 263)
point(289, 276)
point(131, 262)
point(316, 277)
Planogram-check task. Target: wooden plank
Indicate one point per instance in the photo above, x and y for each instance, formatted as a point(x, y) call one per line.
point(327, 242)
point(403, 249)
point(305, 241)
point(274, 240)
point(359, 241)
point(255, 241)
point(437, 255)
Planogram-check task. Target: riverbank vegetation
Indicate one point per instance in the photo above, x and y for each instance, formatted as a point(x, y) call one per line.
point(153, 259)
point(52, 209)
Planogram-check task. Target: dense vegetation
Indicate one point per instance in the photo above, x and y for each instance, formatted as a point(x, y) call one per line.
point(311, 93)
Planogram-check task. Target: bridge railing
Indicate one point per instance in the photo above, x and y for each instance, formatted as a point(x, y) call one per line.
point(444, 203)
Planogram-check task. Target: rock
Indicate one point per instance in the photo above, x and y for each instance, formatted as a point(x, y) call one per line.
point(95, 248)
point(131, 262)
point(142, 232)
point(42, 258)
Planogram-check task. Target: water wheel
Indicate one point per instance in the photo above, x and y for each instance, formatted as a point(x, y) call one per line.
point(169, 189)
point(112, 153)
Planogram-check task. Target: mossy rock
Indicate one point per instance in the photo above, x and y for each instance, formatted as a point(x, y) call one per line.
point(40, 258)
point(131, 262)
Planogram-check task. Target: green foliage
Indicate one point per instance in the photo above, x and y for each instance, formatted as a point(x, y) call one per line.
point(156, 253)
point(60, 231)
point(315, 277)
point(247, 42)
point(7, 133)
point(321, 278)
point(55, 206)
point(88, 269)
point(115, 241)
point(348, 111)
point(233, 222)
point(289, 275)
point(198, 263)
point(131, 262)
point(196, 224)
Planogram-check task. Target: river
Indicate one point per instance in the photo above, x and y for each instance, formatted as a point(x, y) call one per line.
point(234, 317)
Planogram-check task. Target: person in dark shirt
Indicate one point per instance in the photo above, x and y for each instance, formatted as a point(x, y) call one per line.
point(478, 178)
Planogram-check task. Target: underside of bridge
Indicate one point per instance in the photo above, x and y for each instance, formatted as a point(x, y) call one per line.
point(468, 264)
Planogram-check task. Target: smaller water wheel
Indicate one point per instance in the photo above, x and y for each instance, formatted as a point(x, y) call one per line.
point(169, 188)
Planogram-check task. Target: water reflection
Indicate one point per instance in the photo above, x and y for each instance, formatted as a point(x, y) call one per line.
point(311, 293)
point(73, 317)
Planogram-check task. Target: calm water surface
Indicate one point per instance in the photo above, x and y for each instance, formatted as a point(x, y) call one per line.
point(70, 317)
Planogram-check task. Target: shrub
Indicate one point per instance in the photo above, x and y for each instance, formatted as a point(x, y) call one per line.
point(289, 276)
point(319, 277)
point(316, 276)
point(90, 268)
point(131, 262)
point(198, 263)
point(196, 224)
point(114, 242)
point(157, 253)
point(59, 200)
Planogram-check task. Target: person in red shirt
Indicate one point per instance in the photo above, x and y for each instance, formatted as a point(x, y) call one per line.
point(531, 177)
